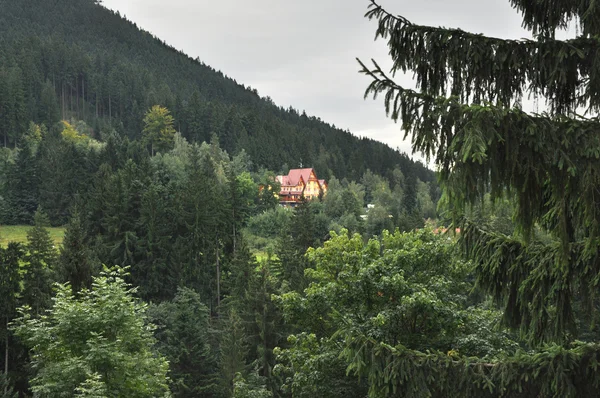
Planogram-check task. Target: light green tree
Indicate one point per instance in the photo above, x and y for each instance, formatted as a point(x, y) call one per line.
point(98, 343)
point(405, 292)
point(159, 132)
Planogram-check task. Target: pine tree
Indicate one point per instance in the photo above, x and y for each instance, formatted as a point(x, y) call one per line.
point(466, 116)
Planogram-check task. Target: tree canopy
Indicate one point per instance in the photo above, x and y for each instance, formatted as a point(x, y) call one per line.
point(98, 342)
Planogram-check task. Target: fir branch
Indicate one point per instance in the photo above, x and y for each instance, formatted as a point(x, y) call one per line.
point(553, 371)
point(544, 17)
point(549, 163)
point(484, 69)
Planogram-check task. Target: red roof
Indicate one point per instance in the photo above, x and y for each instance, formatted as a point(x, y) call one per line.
point(294, 176)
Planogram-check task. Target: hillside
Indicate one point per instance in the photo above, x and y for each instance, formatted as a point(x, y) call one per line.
point(65, 59)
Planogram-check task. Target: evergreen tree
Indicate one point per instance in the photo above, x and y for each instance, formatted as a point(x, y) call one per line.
point(263, 322)
point(40, 263)
point(22, 187)
point(48, 111)
point(233, 349)
point(184, 339)
point(466, 116)
point(10, 281)
point(6, 391)
point(76, 264)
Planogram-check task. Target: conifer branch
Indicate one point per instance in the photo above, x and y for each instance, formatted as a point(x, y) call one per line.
point(397, 371)
point(497, 70)
point(546, 161)
point(544, 17)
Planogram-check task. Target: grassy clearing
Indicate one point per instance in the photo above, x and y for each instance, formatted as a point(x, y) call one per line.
point(18, 233)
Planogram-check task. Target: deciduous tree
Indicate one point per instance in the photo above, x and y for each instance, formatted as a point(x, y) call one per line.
point(158, 128)
point(99, 341)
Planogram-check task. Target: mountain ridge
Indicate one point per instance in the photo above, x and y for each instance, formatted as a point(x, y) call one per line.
point(112, 69)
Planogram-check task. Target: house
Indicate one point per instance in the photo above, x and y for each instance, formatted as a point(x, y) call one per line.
point(300, 182)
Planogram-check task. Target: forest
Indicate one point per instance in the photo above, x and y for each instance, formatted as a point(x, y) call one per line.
point(181, 275)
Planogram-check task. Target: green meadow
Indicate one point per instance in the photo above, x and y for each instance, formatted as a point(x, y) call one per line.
point(18, 233)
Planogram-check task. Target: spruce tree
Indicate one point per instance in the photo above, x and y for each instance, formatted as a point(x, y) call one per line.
point(76, 264)
point(40, 262)
point(10, 281)
point(466, 117)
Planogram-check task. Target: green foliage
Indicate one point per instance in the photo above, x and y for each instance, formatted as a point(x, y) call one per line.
point(263, 228)
point(21, 187)
point(312, 367)
point(466, 115)
point(10, 287)
point(76, 262)
point(183, 334)
point(233, 349)
point(253, 387)
point(6, 391)
point(97, 344)
point(109, 72)
point(408, 290)
point(158, 128)
point(40, 263)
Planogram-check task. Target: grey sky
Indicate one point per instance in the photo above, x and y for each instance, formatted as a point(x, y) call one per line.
point(302, 53)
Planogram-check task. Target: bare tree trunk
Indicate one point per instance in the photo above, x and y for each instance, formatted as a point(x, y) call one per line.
point(62, 100)
point(234, 233)
point(6, 350)
point(218, 276)
point(83, 96)
point(77, 98)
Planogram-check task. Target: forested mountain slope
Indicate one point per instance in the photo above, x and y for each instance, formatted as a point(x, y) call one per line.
point(103, 69)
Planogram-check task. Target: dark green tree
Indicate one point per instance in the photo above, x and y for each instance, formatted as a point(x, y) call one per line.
point(76, 263)
point(6, 391)
point(48, 110)
point(40, 263)
point(233, 349)
point(21, 189)
point(466, 116)
point(183, 336)
point(10, 287)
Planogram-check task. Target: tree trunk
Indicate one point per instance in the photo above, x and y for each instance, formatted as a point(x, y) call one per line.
point(62, 100)
point(77, 98)
point(218, 276)
point(83, 97)
point(234, 232)
point(6, 350)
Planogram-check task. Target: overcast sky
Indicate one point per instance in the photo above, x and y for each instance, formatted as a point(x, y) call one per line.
point(302, 52)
